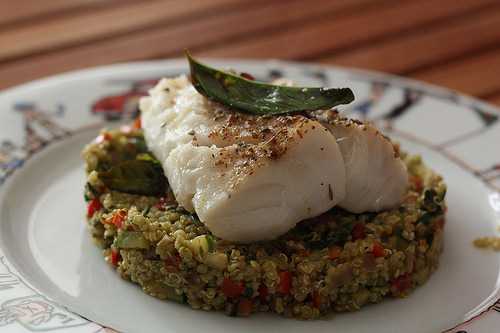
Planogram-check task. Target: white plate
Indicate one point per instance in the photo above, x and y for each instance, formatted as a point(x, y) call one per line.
point(52, 276)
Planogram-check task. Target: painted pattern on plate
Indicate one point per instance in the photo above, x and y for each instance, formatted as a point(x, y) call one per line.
point(391, 103)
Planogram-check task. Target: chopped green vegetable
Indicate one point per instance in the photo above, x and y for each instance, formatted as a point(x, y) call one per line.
point(145, 212)
point(427, 217)
point(131, 240)
point(335, 236)
point(400, 243)
point(135, 177)
point(202, 245)
point(147, 157)
point(260, 98)
point(248, 292)
point(164, 291)
point(139, 144)
point(211, 243)
point(91, 189)
point(429, 237)
point(172, 295)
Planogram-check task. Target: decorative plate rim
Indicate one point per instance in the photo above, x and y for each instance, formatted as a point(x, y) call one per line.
point(136, 67)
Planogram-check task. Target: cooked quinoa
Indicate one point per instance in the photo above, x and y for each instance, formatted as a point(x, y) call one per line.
point(338, 261)
point(487, 243)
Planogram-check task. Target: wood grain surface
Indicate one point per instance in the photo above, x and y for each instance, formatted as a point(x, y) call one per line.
point(454, 43)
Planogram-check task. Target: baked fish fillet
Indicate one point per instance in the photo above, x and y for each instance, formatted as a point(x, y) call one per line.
point(247, 178)
point(376, 177)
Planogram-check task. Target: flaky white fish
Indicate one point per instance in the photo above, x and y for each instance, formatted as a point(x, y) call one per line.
point(247, 178)
point(251, 178)
point(376, 177)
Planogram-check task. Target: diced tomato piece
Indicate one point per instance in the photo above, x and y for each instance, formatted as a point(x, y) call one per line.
point(358, 232)
point(402, 283)
point(93, 206)
point(378, 250)
point(115, 257)
point(316, 299)
point(247, 76)
point(103, 137)
point(232, 289)
point(285, 283)
point(137, 123)
point(117, 218)
point(245, 307)
point(263, 293)
point(334, 252)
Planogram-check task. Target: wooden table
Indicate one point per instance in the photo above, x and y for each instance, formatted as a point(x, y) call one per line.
point(454, 43)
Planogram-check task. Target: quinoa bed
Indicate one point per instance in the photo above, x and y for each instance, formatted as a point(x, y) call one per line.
point(338, 261)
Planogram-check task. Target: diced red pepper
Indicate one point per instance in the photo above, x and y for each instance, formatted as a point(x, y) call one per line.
point(247, 76)
point(305, 253)
point(378, 250)
point(232, 289)
point(245, 307)
point(316, 299)
point(115, 257)
point(413, 265)
point(172, 263)
point(161, 204)
point(417, 183)
point(439, 224)
point(334, 252)
point(93, 206)
point(117, 218)
point(263, 293)
point(358, 232)
point(137, 123)
point(401, 284)
point(165, 201)
point(285, 283)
